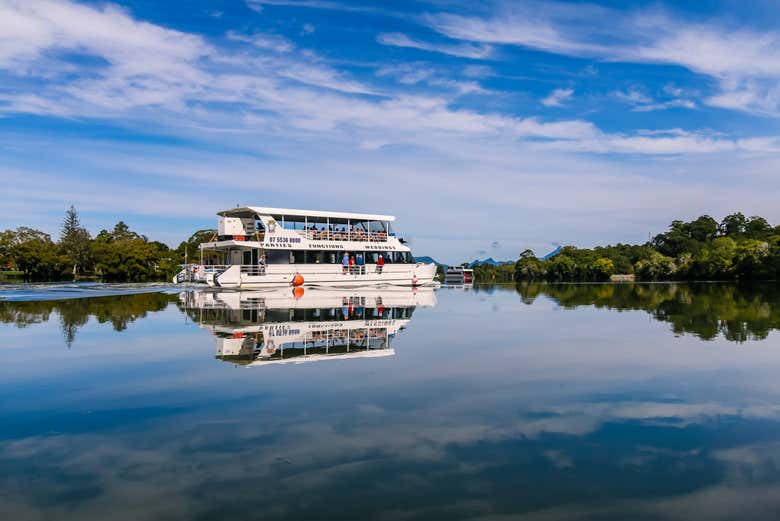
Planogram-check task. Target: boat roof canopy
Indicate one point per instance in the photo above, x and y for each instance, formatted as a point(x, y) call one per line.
point(248, 211)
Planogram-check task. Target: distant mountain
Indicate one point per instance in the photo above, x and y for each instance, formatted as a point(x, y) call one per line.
point(428, 260)
point(489, 260)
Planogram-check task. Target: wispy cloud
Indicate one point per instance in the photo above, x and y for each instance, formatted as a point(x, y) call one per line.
point(746, 63)
point(558, 97)
point(640, 101)
point(271, 42)
point(633, 96)
point(675, 103)
point(460, 50)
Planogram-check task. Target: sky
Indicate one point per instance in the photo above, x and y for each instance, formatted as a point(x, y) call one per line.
point(485, 127)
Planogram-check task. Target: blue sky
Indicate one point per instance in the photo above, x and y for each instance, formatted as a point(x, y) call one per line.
point(485, 127)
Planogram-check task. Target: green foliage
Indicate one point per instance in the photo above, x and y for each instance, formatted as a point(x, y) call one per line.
point(602, 268)
point(737, 248)
point(119, 255)
point(528, 267)
point(561, 267)
point(494, 273)
point(34, 254)
point(75, 242)
point(7, 240)
point(655, 267)
point(191, 247)
point(123, 255)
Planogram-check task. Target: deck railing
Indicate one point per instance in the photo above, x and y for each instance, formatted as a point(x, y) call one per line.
point(248, 269)
point(252, 269)
point(354, 235)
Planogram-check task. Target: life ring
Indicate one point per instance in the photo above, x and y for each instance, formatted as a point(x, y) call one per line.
point(297, 280)
point(298, 292)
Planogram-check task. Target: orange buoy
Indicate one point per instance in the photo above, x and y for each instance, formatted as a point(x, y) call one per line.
point(297, 280)
point(298, 292)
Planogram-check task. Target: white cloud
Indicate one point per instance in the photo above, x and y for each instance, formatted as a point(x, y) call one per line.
point(642, 102)
point(746, 63)
point(271, 42)
point(558, 97)
point(675, 103)
point(633, 96)
point(460, 50)
point(421, 73)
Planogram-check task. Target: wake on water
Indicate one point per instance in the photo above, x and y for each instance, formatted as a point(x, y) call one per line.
point(71, 290)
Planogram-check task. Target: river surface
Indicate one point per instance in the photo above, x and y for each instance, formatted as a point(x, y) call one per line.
point(534, 402)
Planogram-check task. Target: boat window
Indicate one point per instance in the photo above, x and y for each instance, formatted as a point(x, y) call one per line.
point(291, 222)
point(277, 257)
point(318, 225)
point(408, 257)
point(371, 257)
point(311, 257)
point(377, 227)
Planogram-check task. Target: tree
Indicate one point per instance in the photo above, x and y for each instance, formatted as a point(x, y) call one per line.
point(602, 268)
point(122, 231)
point(749, 260)
point(716, 261)
point(124, 255)
point(75, 241)
point(561, 267)
point(529, 268)
point(733, 225)
point(703, 229)
point(7, 239)
point(192, 247)
point(656, 267)
point(758, 228)
point(34, 253)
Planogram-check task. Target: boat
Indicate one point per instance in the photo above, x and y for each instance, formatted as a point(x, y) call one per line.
point(259, 247)
point(458, 275)
point(297, 325)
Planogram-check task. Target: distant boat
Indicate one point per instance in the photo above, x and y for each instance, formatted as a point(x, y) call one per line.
point(458, 275)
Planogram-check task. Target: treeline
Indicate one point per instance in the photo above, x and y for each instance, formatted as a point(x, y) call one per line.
point(116, 255)
point(737, 248)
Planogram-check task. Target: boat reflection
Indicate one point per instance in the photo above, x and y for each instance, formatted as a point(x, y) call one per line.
point(297, 325)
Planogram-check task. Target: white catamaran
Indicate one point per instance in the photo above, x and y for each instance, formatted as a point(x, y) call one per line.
point(264, 247)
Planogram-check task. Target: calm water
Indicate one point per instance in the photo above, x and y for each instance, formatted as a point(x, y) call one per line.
point(537, 402)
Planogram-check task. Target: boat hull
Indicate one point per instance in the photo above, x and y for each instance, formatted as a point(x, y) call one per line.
point(418, 274)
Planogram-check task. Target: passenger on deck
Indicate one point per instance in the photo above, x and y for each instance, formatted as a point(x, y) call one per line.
point(345, 262)
point(361, 266)
point(380, 263)
point(352, 264)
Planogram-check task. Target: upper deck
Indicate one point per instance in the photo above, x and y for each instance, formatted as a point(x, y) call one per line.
point(248, 211)
point(306, 229)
